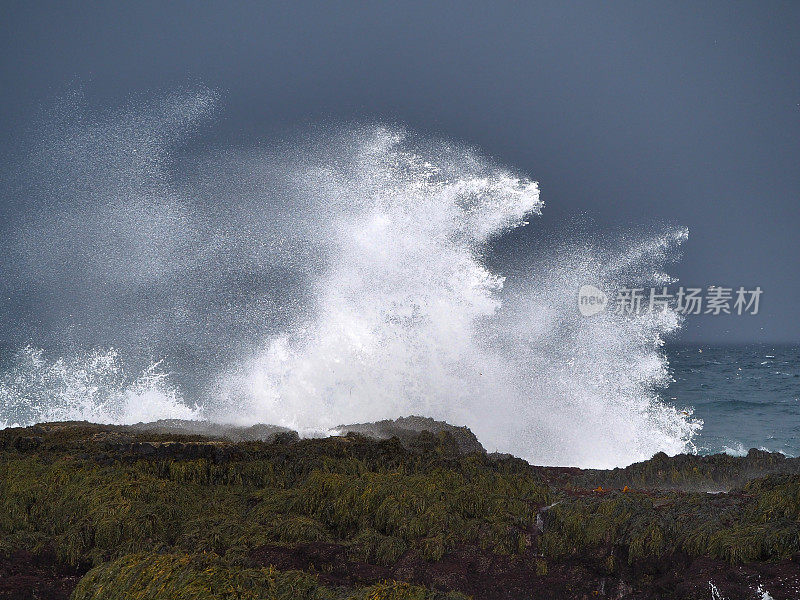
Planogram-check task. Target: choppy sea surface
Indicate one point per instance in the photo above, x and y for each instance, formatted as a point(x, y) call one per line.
point(748, 396)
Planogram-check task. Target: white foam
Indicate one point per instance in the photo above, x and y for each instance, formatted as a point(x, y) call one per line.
point(86, 387)
point(408, 319)
point(737, 449)
point(765, 595)
point(382, 302)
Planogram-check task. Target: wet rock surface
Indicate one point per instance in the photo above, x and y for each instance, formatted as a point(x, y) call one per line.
point(27, 576)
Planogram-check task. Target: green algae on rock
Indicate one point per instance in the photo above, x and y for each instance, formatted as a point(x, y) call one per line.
point(179, 515)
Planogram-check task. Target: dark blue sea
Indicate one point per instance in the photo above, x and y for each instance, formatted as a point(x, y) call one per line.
point(747, 396)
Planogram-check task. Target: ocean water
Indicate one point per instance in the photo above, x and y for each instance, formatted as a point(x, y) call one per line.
point(748, 396)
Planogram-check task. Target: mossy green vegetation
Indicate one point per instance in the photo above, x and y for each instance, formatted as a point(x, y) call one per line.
point(210, 577)
point(761, 522)
point(179, 516)
point(686, 472)
point(92, 513)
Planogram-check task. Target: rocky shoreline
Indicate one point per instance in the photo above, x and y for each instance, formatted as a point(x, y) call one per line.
point(406, 509)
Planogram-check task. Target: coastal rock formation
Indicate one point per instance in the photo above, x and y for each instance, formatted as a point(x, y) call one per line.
point(171, 510)
point(207, 429)
point(407, 430)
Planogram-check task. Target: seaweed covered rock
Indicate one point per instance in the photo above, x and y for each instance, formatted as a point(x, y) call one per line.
point(350, 515)
point(210, 577)
point(210, 430)
point(715, 473)
point(760, 523)
point(407, 430)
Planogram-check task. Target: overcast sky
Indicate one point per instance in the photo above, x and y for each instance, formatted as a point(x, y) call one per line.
point(629, 114)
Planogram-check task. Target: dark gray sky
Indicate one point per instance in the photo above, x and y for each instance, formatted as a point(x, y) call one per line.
point(628, 113)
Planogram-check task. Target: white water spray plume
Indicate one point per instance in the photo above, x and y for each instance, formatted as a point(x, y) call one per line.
point(339, 278)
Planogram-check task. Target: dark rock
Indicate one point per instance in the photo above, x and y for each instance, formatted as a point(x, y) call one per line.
point(408, 430)
point(207, 429)
point(31, 576)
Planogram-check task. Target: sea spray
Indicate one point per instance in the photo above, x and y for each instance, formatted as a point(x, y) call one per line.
point(90, 386)
point(339, 277)
point(408, 319)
